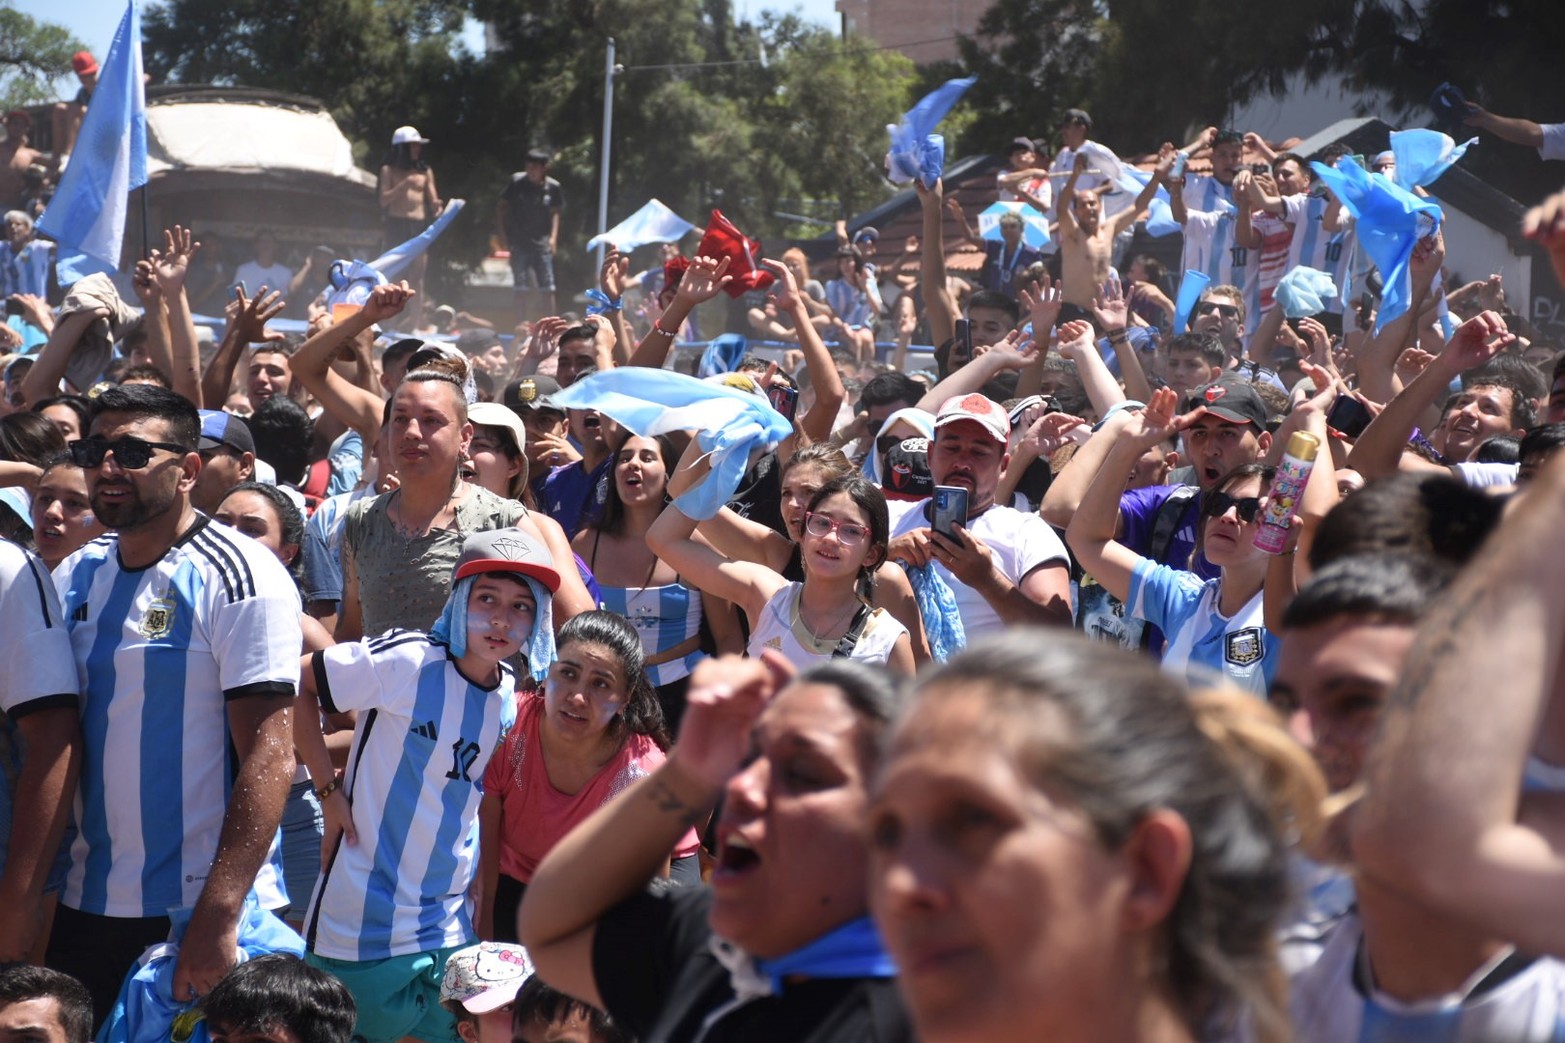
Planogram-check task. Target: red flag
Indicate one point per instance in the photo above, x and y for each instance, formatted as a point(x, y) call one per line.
point(722, 239)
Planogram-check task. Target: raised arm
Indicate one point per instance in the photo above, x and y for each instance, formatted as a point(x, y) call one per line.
point(1091, 533)
point(1129, 216)
point(1245, 232)
point(703, 280)
point(1112, 313)
point(1077, 345)
point(824, 378)
point(611, 281)
point(1067, 216)
point(357, 407)
point(1508, 128)
point(939, 306)
point(1042, 302)
point(169, 268)
point(247, 319)
point(1443, 819)
point(47, 372)
point(969, 233)
point(1009, 354)
point(616, 852)
point(1378, 451)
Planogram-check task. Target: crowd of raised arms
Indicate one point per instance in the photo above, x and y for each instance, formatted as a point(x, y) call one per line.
point(1153, 667)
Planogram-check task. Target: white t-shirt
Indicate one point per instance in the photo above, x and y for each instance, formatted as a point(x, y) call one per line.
point(779, 628)
point(1553, 146)
point(1020, 543)
point(1210, 248)
point(1314, 247)
point(277, 277)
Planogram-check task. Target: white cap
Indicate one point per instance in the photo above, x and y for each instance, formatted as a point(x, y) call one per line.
point(407, 135)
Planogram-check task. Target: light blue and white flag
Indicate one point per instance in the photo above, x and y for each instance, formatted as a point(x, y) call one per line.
point(1035, 226)
point(729, 422)
point(1423, 155)
point(653, 223)
point(87, 214)
point(393, 261)
point(915, 150)
point(1389, 221)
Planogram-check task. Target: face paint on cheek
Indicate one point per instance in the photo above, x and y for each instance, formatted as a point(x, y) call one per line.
point(483, 625)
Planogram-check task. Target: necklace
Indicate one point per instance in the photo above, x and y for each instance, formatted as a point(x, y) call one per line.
point(822, 638)
point(410, 531)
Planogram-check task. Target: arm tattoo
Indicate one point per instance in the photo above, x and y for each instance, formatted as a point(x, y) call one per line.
point(669, 802)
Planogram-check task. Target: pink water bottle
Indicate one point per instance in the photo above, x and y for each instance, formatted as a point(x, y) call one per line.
point(1287, 489)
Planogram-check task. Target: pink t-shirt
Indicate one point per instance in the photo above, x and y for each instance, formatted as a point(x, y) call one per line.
point(534, 815)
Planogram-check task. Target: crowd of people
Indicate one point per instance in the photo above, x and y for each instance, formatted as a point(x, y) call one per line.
point(1143, 671)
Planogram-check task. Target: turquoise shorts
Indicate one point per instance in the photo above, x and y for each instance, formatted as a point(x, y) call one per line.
point(398, 996)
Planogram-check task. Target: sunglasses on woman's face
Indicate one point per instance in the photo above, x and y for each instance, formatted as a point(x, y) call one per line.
point(1248, 507)
point(129, 452)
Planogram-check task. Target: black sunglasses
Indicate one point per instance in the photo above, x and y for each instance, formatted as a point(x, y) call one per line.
point(1217, 505)
point(1227, 311)
point(131, 453)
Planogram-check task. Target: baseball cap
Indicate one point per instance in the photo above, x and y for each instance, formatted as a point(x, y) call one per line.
point(506, 550)
point(493, 414)
point(1234, 401)
point(219, 428)
point(1021, 144)
point(408, 136)
point(476, 341)
point(486, 976)
point(976, 407)
point(538, 155)
point(1076, 116)
point(1449, 102)
point(84, 63)
point(534, 392)
point(868, 233)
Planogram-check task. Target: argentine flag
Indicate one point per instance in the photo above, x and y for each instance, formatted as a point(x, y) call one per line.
point(87, 214)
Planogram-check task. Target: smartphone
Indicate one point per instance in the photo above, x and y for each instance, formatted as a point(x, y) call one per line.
point(13, 306)
point(784, 399)
point(950, 510)
point(1348, 417)
point(964, 340)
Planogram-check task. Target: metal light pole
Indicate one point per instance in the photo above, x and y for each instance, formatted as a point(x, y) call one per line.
point(609, 69)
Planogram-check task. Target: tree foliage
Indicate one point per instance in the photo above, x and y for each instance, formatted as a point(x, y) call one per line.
point(756, 118)
point(32, 55)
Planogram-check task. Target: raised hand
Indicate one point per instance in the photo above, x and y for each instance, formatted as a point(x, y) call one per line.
point(170, 265)
point(1043, 300)
point(1110, 307)
point(614, 272)
point(1158, 421)
point(785, 291)
point(545, 338)
point(726, 695)
point(704, 279)
point(1476, 341)
point(1048, 433)
point(1012, 353)
point(247, 318)
point(146, 287)
point(387, 301)
point(1076, 336)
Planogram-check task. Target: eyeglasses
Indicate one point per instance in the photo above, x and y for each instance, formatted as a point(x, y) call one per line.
point(1227, 311)
point(1217, 505)
point(849, 534)
point(130, 453)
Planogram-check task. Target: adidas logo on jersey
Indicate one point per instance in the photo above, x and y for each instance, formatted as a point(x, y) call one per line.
point(427, 730)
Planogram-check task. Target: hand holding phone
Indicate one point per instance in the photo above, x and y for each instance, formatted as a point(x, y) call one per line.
point(948, 510)
point(784, 399)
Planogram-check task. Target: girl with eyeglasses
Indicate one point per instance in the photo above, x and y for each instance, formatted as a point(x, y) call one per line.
point(842, 542)
point(1213, 627)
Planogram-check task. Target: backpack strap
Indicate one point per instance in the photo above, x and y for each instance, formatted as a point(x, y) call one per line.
point(850, 640)
point(1165, 524)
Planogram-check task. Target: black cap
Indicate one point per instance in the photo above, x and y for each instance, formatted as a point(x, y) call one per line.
point(534, 392)
point(1076, 116)
point(477, 341)
point(1021, 145)
point(538, 155)
point(1231, 399)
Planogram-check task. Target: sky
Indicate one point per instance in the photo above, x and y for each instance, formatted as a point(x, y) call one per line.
point(93, 21)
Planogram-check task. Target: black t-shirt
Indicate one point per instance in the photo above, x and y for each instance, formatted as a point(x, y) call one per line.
point(532, 208)
point(660, 981)
point(759, 496)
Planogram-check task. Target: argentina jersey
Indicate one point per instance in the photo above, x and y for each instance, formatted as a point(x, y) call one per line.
point(414, 779)
point(665, 618)
point(1210, 248)
point(1314, 247)
point(1205, 192)
point(159, 653)
point(1202, 643)
point(1512, 999)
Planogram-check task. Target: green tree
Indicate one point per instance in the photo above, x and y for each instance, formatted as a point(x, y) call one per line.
point(33, 55)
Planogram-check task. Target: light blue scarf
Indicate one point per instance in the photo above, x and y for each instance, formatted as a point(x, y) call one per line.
point(937, 605)
point(451, 628)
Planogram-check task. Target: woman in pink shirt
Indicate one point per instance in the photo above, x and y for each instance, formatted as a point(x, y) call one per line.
point(595, 728)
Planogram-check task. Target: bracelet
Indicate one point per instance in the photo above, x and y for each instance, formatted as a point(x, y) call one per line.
point(670, 334)
point(330, 788)
point(1119, 334)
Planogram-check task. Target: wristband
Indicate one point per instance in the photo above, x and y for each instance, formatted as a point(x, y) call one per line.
point(330, 788)
point(658, 326)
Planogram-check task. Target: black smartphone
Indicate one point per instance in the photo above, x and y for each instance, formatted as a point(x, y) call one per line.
point(949, 511)
point(784, 399)
point(13, 306)
point(1348, 417)
point(964, 340)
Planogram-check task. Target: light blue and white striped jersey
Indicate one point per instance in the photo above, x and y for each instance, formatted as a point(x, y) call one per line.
point(665, 618)
point(159, 653)
point(1202, 642)
point(1210, 248)
point(1205, 192)
point(43, 677)
point(415, 778)
point(1520, 1000)
point(1314, 247)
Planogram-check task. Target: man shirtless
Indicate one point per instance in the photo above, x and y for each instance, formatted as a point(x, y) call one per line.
point(15, 157)
point(1087, 240)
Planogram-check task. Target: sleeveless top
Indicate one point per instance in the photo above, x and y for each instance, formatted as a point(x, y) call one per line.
point(403, 583)
point(665, 617)
point(779, 628)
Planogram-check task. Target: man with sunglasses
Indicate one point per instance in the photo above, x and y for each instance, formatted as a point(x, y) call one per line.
point(186, 638)
point(1006, 567)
